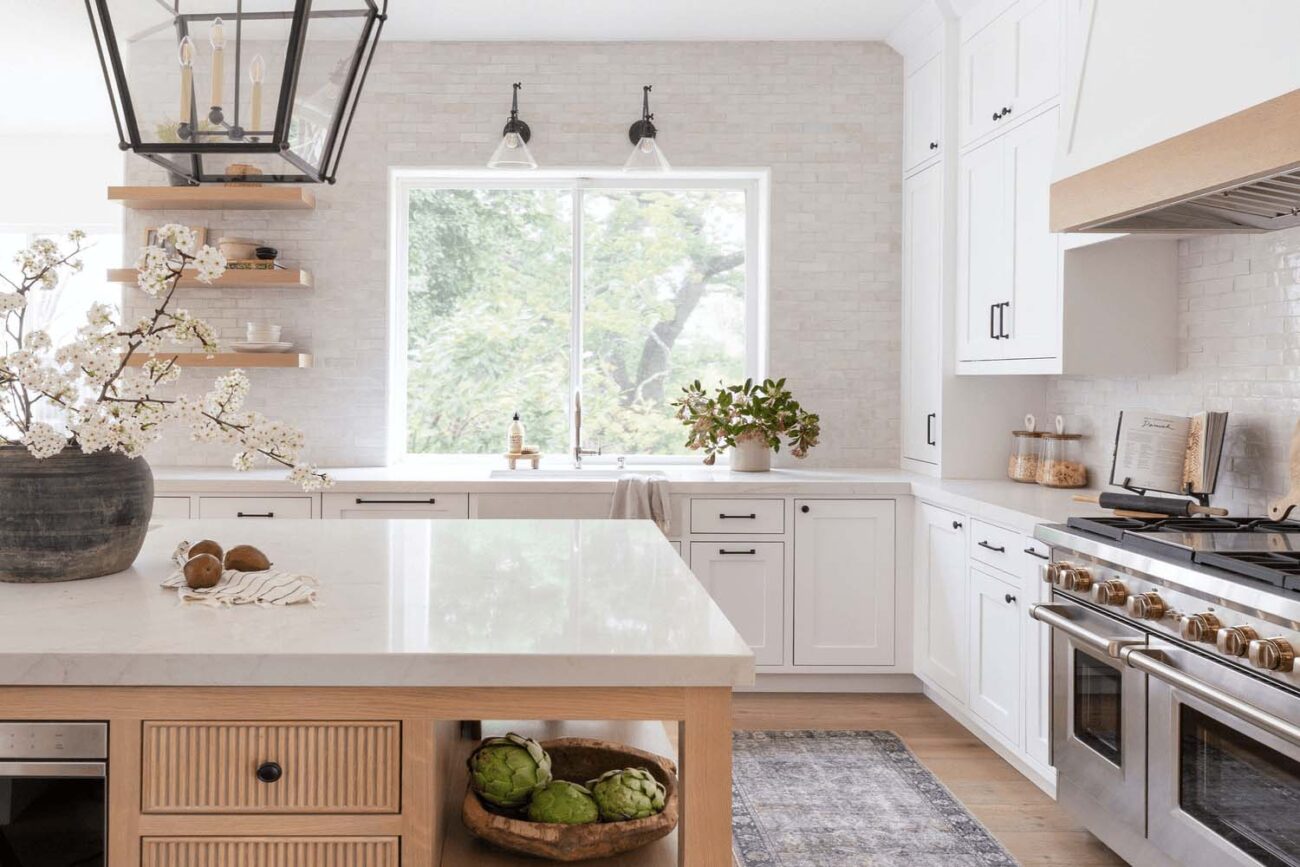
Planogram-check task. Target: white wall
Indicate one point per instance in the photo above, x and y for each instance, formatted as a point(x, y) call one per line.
point(55, 181)
point(825, 117)
point(1238, 351)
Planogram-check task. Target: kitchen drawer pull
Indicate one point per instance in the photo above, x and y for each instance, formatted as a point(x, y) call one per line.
point(957, 525)
point(1009, 598)
point(1054, 616)
point(1002, 549)
point(750, 551)
point(361, 501)
point(750, 517)
point(255, 514)
point(269, 772)
point(934, 145)
point(1033, 553)
point(1151, 661)
point(929, 429)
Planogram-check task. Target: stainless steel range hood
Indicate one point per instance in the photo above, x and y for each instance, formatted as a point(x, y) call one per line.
point(1237, 174)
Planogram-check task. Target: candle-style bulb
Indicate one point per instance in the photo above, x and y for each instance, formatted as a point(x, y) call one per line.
point(217, 35)
point(257, 70)
point(186, 52)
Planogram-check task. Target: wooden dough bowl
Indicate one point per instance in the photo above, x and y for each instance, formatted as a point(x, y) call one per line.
point(579, 760)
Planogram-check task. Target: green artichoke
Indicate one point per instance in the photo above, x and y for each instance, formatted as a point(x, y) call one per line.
point(563, 803)
point(631, 793)
point(507, 771)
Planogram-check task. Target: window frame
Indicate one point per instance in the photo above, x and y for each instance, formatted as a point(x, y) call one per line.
point(755, 183)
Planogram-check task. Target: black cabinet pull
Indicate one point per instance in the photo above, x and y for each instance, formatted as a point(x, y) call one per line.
point(751, 516)
point(1002, 320)
point(255, 514)
point(984, 544)
point(992, 312)
point(805, 509)
point(725, 551)
point(1036, 554)
point(1009, 598)
point(929, 429)
point(997, 116)
point(361, 501)
point(269, 772)
point(956, 525)
point(1006, 110)
point(934, 145)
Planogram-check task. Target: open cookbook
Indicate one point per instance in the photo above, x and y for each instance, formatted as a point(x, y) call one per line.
point(1169, 453)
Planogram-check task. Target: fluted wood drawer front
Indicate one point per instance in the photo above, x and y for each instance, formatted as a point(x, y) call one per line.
point(269, 852)
point(228, 767)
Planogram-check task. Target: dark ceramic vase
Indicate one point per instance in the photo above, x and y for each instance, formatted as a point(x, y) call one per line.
point(71, 516)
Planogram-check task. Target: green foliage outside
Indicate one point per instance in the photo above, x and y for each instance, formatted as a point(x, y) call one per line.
point(490, 314)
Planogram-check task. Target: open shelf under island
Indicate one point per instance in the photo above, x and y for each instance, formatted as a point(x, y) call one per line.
point(592, 628)
point(234, 278)
point(231, 359)
point(210, 197)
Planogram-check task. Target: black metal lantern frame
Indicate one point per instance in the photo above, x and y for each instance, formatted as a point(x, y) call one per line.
point(216, 135)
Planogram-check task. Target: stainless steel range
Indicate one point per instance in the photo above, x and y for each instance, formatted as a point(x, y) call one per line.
point(1175, 686)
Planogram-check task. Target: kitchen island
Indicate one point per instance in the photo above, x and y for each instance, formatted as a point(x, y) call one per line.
point(358, 699)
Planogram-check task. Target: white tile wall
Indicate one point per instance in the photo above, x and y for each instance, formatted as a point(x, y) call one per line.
point(824, 117)
point(1239, 352)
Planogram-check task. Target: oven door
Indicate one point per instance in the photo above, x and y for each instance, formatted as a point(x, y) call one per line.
point(1224, 761)
point(52, 814)
point(1098, 720)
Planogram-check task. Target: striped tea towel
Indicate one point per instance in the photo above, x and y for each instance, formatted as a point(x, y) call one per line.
point(242, 588)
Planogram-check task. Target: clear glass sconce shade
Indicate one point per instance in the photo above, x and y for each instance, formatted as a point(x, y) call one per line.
point(512, 153)
point(647, 156)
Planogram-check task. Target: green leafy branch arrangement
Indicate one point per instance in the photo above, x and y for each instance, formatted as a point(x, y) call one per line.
point(766, 411)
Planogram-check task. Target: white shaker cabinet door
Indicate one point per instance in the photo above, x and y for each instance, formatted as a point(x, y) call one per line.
point(984, 253)
point(844, 582)
point(923, 114)
point(922, 313)
point(995, 653)
point(941, 598)
point(1033, 318)
point(1038, 47)
point(747, 580)
point(987, 78)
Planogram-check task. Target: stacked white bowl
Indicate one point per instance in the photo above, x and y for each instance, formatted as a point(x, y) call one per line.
point(260, 332)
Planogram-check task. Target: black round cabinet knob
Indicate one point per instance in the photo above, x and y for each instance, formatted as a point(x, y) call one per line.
point(269, 772)
point(805, 509)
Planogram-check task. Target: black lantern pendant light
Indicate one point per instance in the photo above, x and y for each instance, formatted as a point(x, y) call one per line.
point(513, 152)
point(646, 153)
point(236, 90)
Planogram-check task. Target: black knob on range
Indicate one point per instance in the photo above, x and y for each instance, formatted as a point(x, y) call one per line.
point(269, 772)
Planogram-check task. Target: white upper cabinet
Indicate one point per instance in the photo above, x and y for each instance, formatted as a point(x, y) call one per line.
point(1009, 67)
point(923, 114)
point(984, 249)
point(1031, 320)
point(922, 313)
point(844, 582)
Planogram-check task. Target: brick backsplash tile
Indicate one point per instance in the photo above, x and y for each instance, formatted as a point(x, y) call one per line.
point(825, 118)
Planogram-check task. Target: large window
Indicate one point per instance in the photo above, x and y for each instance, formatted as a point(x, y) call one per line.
point(515, 294)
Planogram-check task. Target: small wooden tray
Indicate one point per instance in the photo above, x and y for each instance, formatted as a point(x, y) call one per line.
point(579, 760)
point(529, 457)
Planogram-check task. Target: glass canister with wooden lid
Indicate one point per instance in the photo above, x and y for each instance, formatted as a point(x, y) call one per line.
point(1026, 453)
point(1061, 464)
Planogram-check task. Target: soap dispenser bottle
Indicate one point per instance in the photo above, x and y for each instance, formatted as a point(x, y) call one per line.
point(515, 436)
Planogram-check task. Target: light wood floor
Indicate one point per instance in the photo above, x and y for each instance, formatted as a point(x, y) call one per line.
point(1026, 821)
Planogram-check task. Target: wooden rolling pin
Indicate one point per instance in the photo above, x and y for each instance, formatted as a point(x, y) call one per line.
point(1158, 507)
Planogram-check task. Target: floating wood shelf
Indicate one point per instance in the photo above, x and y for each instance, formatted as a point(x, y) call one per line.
point(273, 197)
point(231, 359)
point(280, 278)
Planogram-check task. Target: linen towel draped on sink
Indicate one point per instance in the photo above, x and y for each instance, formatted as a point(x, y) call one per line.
point(642, 497)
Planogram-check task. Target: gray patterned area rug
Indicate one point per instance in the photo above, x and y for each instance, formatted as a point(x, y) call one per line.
point(847, 799)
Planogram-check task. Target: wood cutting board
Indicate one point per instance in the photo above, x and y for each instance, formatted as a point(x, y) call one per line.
point(1281, 508)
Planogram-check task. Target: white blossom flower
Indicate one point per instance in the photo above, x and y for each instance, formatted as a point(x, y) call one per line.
point(210, 262)
point(43, 441)
point(12, 301)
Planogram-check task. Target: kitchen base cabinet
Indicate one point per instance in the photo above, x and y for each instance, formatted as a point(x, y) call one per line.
point(540, 505)
point(939, 577)
point(397, 506)
point(257, 507)
point(170, 507)
point(747, 580)
point(844, 582)
point(995, 625)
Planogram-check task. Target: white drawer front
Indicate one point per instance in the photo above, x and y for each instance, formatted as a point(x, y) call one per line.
point(397, 506)
point(1029, 555)
point(737, 516)
point(747, 580)
point(994, 545)
point(171, 507)
point(255, 507)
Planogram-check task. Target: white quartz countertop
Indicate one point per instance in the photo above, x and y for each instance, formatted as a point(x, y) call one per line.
point(1002, 501)
point(402, 603)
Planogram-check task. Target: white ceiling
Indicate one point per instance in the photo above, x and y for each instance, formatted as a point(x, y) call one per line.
point(53, 81)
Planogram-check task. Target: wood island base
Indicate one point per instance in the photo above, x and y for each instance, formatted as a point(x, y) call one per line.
point(349, 776)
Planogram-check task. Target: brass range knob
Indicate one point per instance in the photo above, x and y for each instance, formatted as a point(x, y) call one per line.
point(1146, 606)
point(1235, 640)
point(1052, 574)
point(1110, 592)
point(1077, 579)
point(1200, 627)
point(1271, 654)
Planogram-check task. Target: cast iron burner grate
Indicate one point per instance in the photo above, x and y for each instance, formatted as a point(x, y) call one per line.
point(1279, 569)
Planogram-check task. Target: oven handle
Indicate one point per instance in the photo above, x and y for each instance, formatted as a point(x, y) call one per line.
point(1152, 662)
point(52, 769)
point(1054, 616)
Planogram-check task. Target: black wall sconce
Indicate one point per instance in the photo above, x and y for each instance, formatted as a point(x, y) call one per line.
point(646, 156)
point(512, 152)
